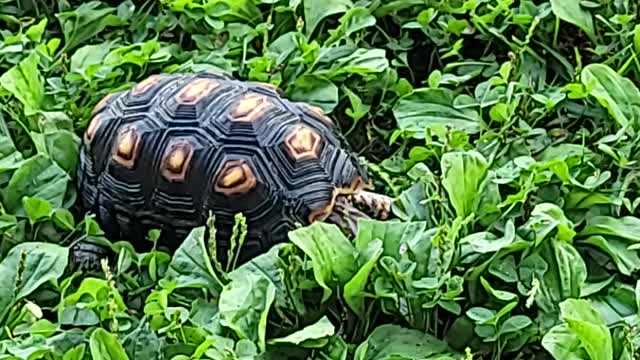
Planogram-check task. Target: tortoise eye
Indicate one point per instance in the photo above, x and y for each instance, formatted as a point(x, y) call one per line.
point(196, 90)
point(250, 107)
point(176, 160)
point(235, 178)
point(126, 147)
point(303, 143)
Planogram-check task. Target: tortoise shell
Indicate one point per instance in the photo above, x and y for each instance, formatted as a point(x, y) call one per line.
point(177, 147)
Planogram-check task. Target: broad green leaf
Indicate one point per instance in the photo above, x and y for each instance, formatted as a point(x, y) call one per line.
point(90, 300)
point(355, 19)
point(26, 83)
point(626, 227)
point(62, 146)
point(589, 327)
point(142, 343)
point(316, 90)
point(514, 324)
point(627, 261)
point(190, 266)
point(26, 267)
point(636, 39)
point(34, 32)
point(313, 336)
point(361, 61)
point(486, 242)
point(393, 342)
point(499, 295)
point(10, 157)
point(432, 108)
point(75, 353)
point(462, 175)
point(571, 11)
point(572, 271)
point(331, 253)
point(398, 238)
point(316, 11)
point(87, 61)
point(244, 306)
point(38, 177)
point(36, 209)
point(354, 289)
point(545, 219)
point(563, 344)
point(83, 23)
point(618, 94)
point(105, 346)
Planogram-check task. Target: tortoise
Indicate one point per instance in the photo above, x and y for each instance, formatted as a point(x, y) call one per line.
point(177, 147)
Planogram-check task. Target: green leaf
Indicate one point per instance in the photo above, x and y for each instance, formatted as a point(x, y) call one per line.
point(83, 23)
point(87, 61)
point(545, 219)
point(589, 327)
point(244, 306)
point(190, 266)
point(316, 11)
point(26, 267)
point(313, 336)
point(616, 93)
point(636, 39)
point(357, 18)
point(36, 209)
point(571, 11)
point(62, 146)
point(331, 253)
point(361, 61)
point(393, 342)
point(626, 227)
point(316, 90)
point(499, 295)
point(26, 83)
point(463, 173)
point(35, 31)
point(428, 108)
point(514, 324)
point(105, 346)
point(142, 343)
point(10, 157)
point(627, 261)
point(75, 353)
point(563, 344)
point(354, 294)
point(38, 177)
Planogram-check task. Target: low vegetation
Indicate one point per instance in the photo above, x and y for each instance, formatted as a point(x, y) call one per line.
point(507, 130)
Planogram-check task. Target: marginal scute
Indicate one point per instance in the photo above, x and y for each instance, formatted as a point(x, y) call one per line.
point(146, 84)
point(101, 104)
point(319, 113)
point(94, 124)
point(235, 178)
point(196, 90)
point(268, 85)
point(176, 160)
point(303, 143)
point(126, 146)
point(249, 107)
